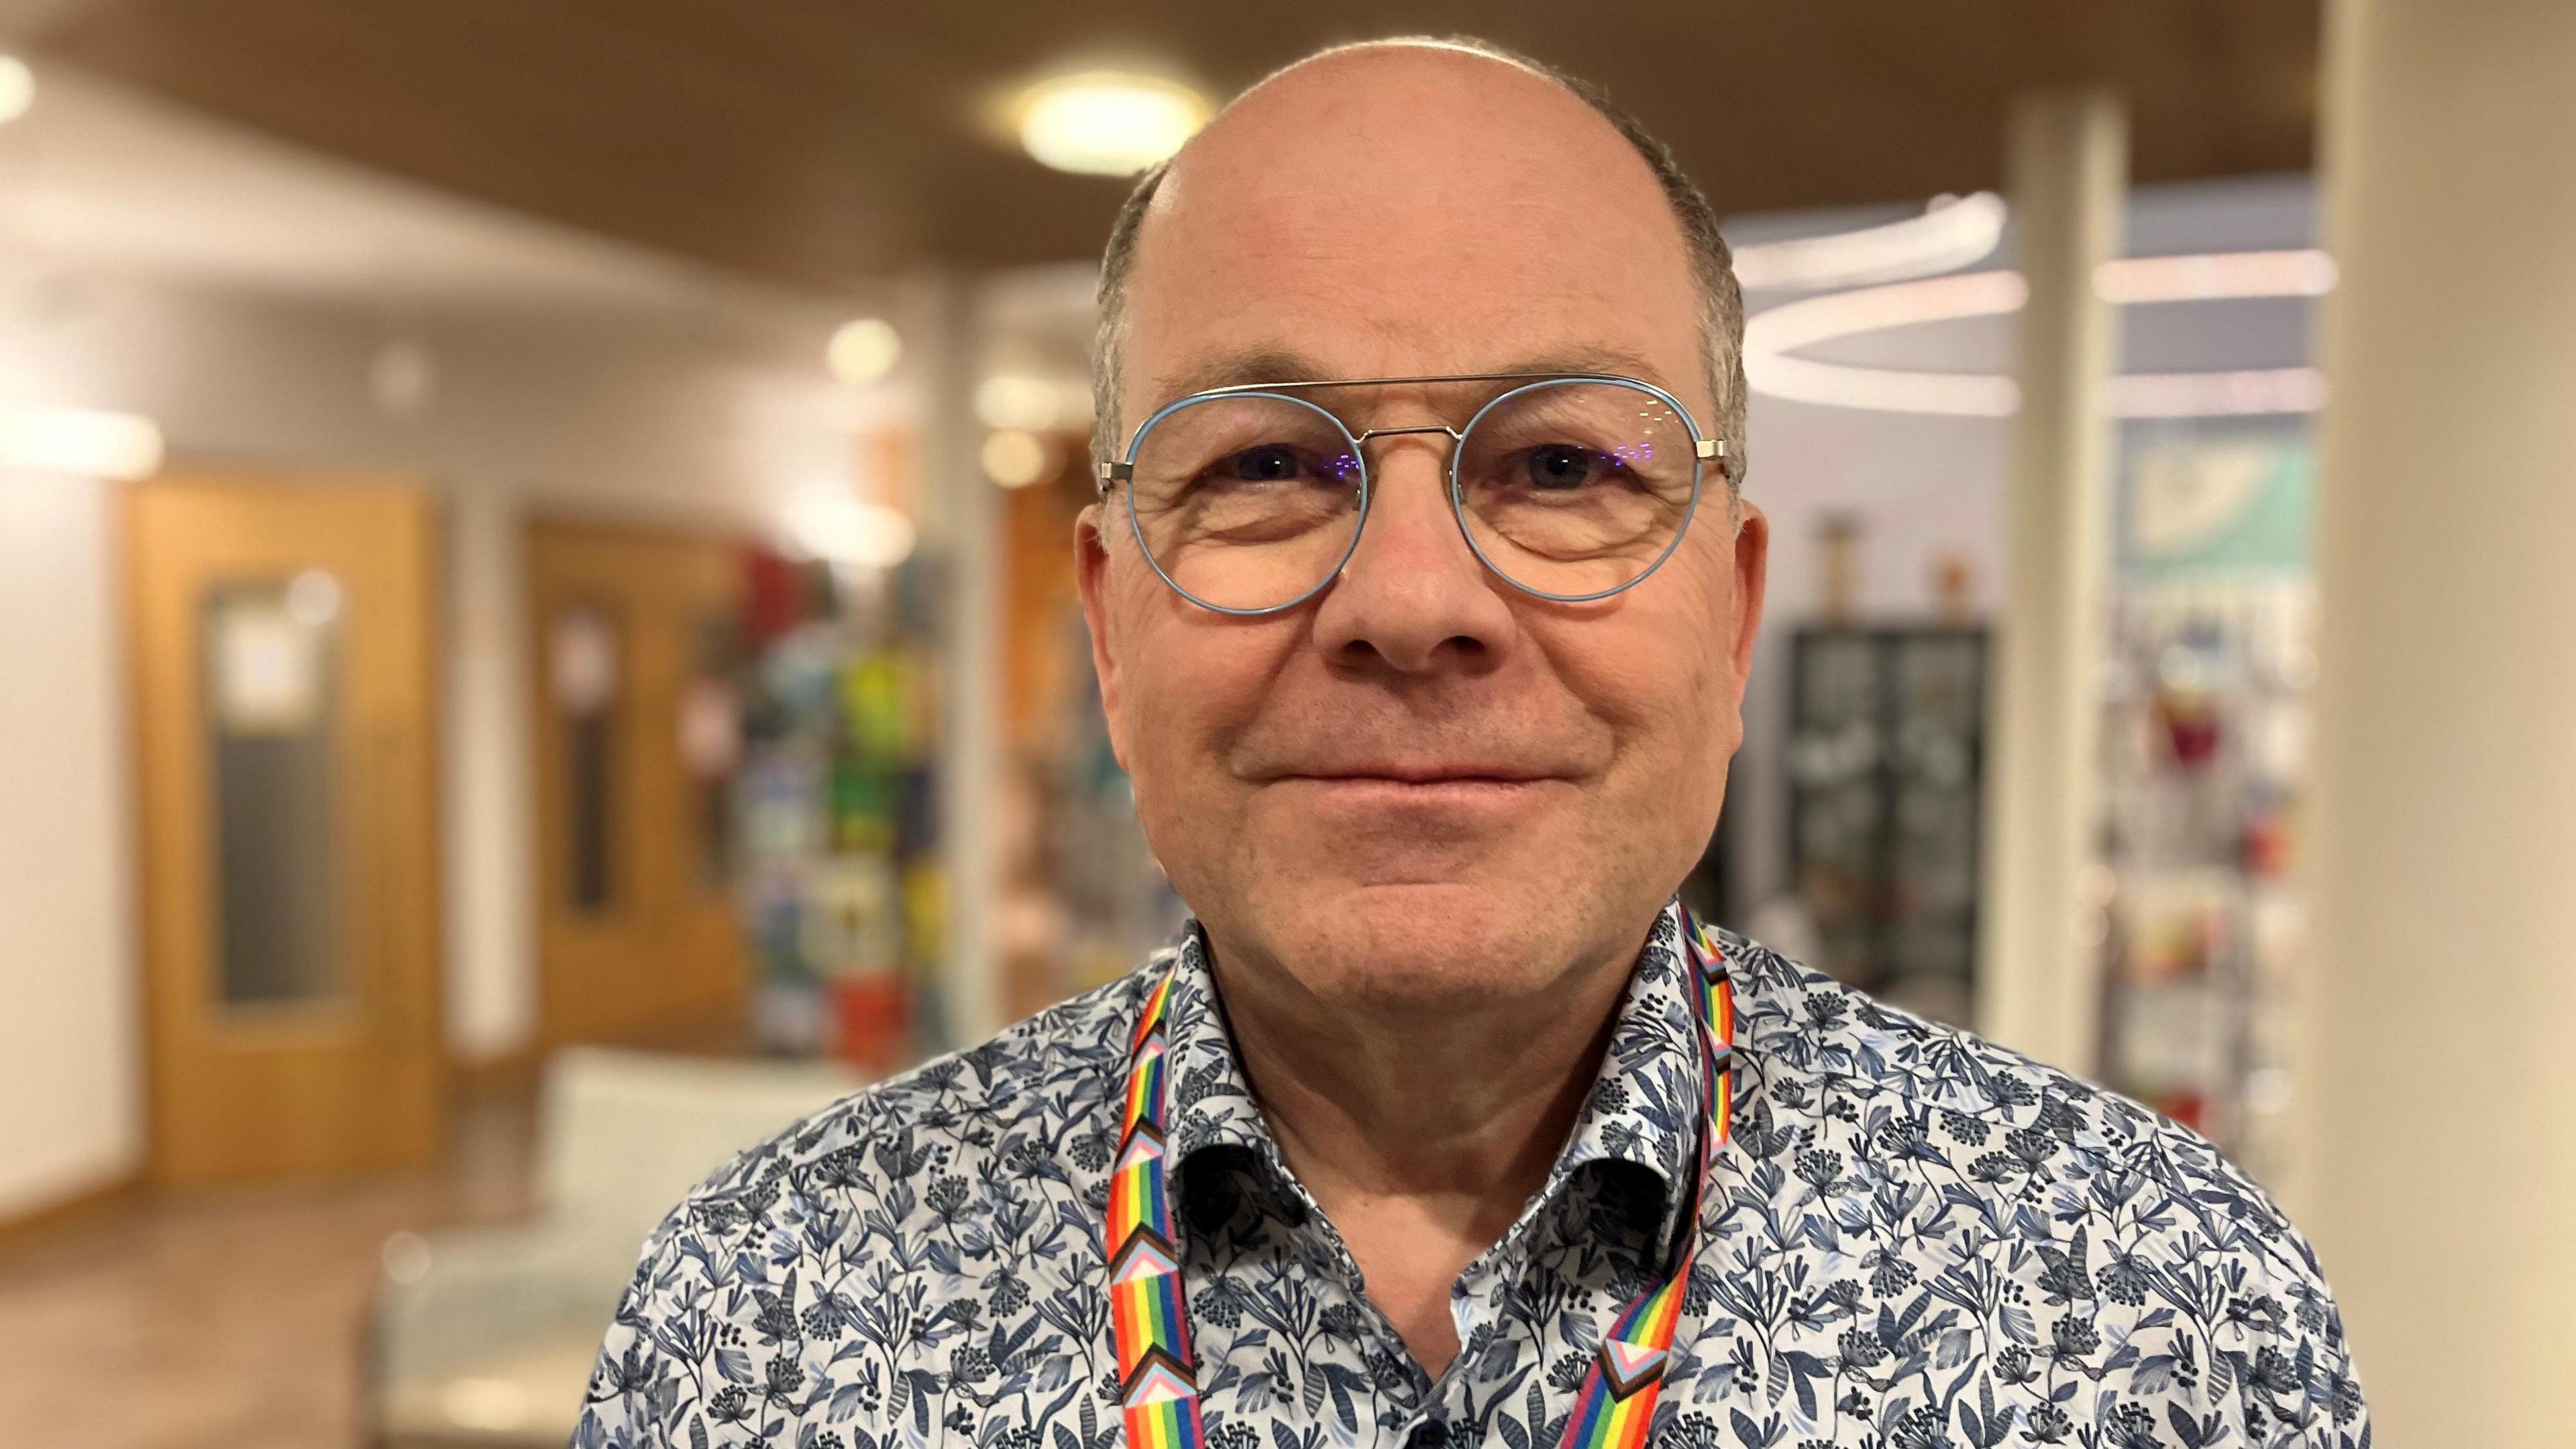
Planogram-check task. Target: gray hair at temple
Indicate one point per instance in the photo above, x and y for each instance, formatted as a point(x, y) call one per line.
point(1721, 302)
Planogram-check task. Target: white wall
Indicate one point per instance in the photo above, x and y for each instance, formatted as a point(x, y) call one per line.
point(717, 419)
point(69, 1023)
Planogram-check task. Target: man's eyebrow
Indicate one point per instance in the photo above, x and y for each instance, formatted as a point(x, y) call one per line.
point(1285, 365)
point(1240, 369)
point(1612, 360)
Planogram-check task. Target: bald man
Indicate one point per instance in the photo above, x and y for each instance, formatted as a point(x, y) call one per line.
point(1422, 596)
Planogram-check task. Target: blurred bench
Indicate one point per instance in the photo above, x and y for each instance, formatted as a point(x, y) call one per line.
point(485, 1336)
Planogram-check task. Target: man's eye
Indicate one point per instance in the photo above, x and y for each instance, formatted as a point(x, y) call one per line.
point(1270, 463)
point(1562, 465)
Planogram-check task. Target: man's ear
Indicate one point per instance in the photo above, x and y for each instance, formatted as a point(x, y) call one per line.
point(1091, 576)
point(1752, 575)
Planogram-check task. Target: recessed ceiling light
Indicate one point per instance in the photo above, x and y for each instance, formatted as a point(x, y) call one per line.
point(827, 523)
point(402, 377)
point(1036, 404)
point(863, 350)
point(17, 88)
point(81, 442)
point(1016, 459)
point(1106, 123)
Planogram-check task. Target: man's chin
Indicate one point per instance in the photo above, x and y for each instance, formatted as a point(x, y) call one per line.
point(1402, 946)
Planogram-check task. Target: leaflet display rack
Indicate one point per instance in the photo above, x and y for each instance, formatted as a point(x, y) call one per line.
point(2204, 751)
point(1885, 754)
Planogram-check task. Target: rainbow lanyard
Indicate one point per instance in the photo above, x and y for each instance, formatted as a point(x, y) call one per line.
point(1149, 1318)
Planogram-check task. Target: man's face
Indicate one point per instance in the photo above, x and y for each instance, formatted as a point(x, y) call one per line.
point(1422, 787)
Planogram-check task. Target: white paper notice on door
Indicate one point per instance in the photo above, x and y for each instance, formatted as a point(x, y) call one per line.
point(268, 668)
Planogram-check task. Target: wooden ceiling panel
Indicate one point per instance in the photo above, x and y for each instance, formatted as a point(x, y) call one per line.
point(826, 142)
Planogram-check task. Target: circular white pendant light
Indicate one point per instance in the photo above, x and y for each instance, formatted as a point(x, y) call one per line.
point(1108, 123)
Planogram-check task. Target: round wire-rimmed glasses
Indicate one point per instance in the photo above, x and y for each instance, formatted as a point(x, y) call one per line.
point(1569, 486)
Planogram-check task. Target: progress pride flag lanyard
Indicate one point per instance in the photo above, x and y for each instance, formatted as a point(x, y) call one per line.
point(1149, 1317)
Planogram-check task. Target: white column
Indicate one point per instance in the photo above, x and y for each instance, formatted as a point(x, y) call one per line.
point(2038, 976)
point(961, 515)
point(489, 816)
point(2439, 1084)
point(72, 1056)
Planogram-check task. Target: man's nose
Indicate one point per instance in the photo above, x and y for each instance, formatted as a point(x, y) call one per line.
point(1413, 595)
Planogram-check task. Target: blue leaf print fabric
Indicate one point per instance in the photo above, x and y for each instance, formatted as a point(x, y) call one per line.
point(1915, 1240)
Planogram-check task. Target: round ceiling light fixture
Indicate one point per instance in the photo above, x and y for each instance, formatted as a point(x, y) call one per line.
point(1033, 404)
point(1016, 459)
point(1952, 232)
point(863, 350)
point(402, 377)
point(1772, 338)
point(828, 523)
point(80, 442)
point(1108, 123)
point(17, 88)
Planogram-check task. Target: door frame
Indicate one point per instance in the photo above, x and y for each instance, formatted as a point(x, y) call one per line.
point(420, 877)
point(545, 767)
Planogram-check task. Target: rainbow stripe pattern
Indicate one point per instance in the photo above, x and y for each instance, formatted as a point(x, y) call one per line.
point(1617, 1405)
point(1149, 1319)
point(1149, 1315)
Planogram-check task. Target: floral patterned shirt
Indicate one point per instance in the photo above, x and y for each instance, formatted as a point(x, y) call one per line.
point(1915, 1240)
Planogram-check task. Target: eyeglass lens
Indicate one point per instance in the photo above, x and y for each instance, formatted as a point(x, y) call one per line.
point(1566, 489)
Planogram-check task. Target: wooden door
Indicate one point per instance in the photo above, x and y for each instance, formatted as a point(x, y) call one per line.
point(638, 936)
point(284, 706)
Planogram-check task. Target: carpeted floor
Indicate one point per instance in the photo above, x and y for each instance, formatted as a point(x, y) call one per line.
point(230, 1320)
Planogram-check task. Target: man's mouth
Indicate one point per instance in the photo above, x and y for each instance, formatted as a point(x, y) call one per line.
point(1423, 773)
point(1449, 790)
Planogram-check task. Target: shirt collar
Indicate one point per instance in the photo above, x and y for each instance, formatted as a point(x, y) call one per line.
point(1645, 1103)
point(1643, 1108)
point(1211, 1103)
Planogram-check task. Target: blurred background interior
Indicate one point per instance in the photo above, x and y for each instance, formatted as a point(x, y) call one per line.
point(537, 637)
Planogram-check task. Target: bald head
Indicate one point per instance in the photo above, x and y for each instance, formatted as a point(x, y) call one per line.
point(1389, 135)
point(1413, 160)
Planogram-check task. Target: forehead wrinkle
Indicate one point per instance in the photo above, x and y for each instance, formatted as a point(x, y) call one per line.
point(1260, 365)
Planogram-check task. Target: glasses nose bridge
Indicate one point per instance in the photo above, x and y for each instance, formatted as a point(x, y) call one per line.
point(1376, 474)
point(1361, 440)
